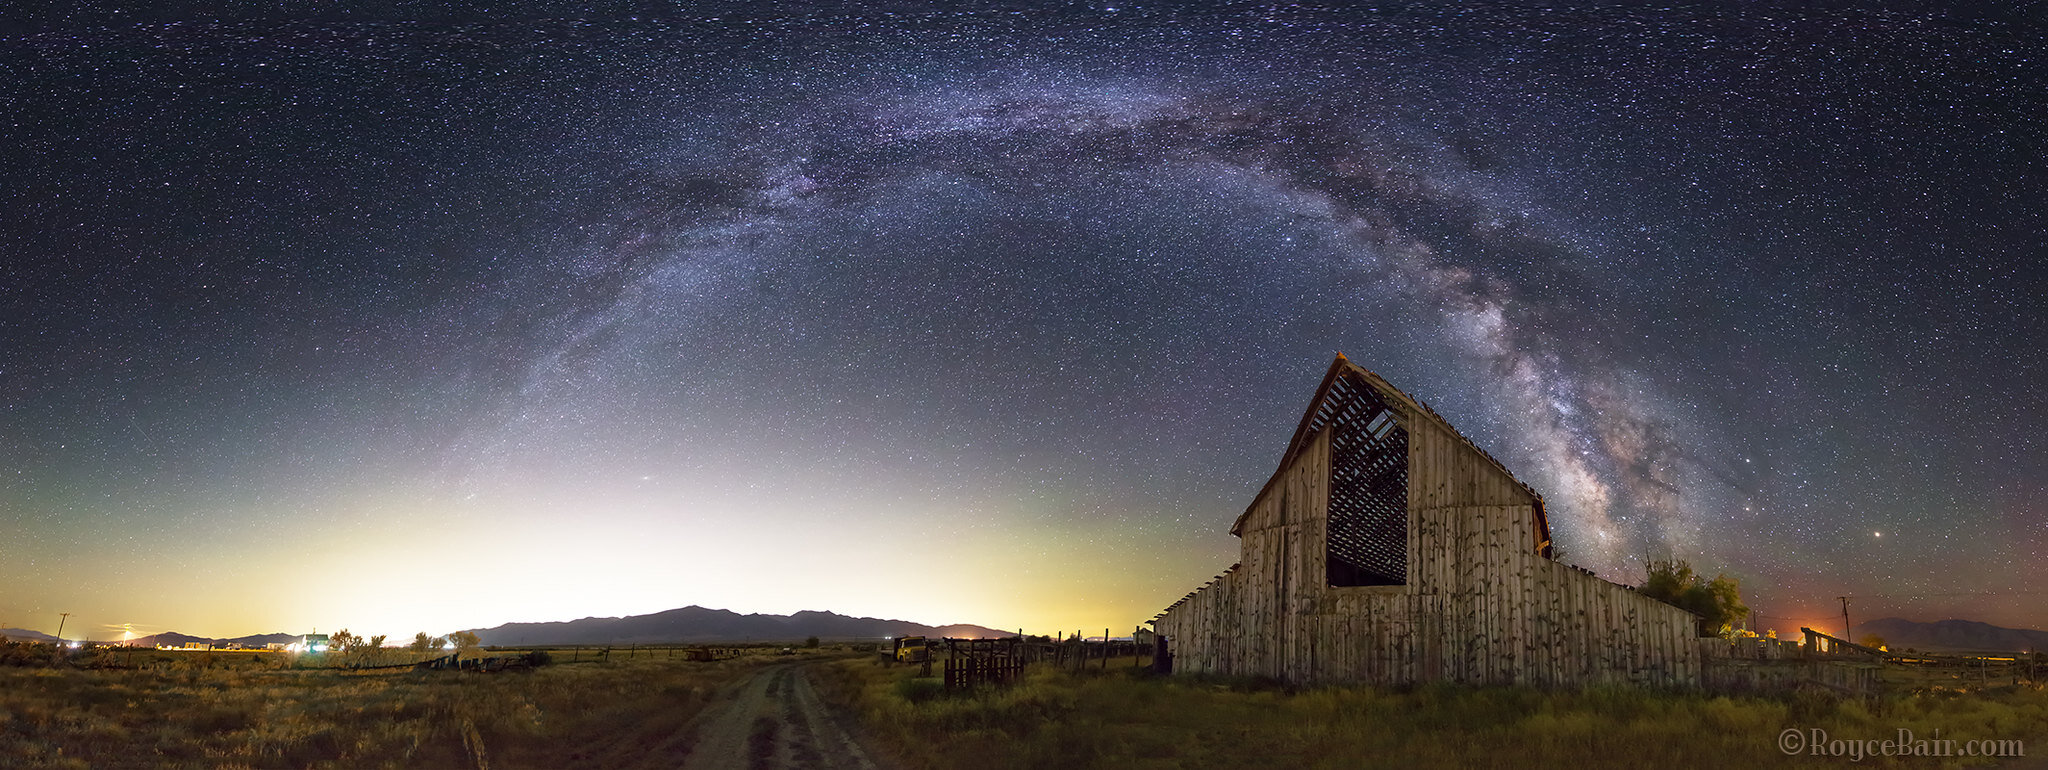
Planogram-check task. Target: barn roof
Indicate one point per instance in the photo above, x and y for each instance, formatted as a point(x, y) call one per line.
point(1339, 399)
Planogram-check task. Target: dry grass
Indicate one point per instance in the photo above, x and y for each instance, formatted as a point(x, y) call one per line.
point(1127, 720)
point(620, 713)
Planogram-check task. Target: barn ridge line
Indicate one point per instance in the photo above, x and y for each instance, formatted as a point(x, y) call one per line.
point(1342, 366)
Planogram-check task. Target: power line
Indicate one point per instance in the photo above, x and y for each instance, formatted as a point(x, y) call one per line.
point(2031, 592)
point(1958, 593)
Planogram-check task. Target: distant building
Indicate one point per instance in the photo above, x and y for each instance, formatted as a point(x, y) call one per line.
point(1388, 549)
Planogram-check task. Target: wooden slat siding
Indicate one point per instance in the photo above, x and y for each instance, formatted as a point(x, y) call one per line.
point(1513, 647)
point(1499, 583)
point(1480, 605)
point(1492, 584)
point(1559, 606)
point(1614, 623)
point(1542, 612)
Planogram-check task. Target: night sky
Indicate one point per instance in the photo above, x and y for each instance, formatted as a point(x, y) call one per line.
point(1002, 315)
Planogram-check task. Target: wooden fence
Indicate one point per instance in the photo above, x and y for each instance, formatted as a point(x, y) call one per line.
point(1751, 648)
point(966, 672)
point(1072, 654)
point(1825, 662)
point(974, 662)
point(1750, 675)
point(526, 661)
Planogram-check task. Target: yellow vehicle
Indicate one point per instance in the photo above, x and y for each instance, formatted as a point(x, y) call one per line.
point(912, 649)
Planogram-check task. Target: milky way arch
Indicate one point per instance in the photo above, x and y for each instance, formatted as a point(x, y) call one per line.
point(1405, 216)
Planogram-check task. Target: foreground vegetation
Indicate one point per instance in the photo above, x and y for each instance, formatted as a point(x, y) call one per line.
point(1124, 718)
point(253, 711)
point(635, 709)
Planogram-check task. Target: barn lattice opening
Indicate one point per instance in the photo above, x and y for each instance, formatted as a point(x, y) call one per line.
point(1368, 525)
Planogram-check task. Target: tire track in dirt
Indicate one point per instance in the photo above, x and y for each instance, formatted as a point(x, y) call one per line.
point(775, 721)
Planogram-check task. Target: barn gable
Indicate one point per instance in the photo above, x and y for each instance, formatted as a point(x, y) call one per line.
point(1369, 420)
point(1388, 548)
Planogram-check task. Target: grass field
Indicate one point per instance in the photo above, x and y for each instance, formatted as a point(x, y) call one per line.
point(1122, 718)
point(243, 710)
point(634, 710)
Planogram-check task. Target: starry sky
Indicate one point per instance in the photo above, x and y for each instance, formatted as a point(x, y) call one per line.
point(998, 313)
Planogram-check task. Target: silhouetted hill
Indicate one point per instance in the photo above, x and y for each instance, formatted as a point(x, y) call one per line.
point(1953, 636)
point(169, 639)
point(166, 639)
point(259, 640)
point(698, 625)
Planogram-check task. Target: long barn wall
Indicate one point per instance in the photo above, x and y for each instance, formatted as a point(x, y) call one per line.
point(1480, 606)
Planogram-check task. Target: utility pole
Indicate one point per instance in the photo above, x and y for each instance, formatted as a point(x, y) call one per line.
point(1845, 619)
point(62, 616)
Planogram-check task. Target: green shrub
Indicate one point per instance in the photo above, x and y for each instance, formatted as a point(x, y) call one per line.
point(919, 689)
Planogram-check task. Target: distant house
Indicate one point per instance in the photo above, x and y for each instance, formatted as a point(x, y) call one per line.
point(1388, 549)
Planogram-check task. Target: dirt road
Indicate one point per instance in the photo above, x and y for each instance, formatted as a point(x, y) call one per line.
point(777, 721)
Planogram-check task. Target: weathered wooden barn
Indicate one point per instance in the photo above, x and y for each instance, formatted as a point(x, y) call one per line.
point(1388, 549)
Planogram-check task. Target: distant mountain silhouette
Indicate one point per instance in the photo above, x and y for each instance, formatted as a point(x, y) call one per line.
point(1953, 636)
point(168, 639)
point(25, 635)
point(258, 640)
point(692, 625)
point(697, 625)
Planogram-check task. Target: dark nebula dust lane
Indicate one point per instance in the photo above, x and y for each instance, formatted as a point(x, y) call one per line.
point(647, 305)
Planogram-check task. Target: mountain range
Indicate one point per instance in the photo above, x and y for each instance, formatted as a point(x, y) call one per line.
point(166, 639)
point(693, 624)
point(1953, 636)
point(699, 625)
point(175, 639)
